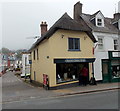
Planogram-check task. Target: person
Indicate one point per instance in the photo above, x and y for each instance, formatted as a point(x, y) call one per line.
point(80, 79)
point(84, 73)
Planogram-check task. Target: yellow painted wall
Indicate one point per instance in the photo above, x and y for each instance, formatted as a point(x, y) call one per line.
point(42, 65)
point(57, 47)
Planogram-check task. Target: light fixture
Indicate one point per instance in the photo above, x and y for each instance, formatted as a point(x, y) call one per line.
point(47, 57)
point(62, 35)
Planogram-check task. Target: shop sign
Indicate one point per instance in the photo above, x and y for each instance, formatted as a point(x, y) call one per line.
point(75, 60)
point(116, 54)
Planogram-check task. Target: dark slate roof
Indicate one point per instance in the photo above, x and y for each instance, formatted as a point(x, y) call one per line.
point(108, 28)
point(92, 16)
point(66, 23)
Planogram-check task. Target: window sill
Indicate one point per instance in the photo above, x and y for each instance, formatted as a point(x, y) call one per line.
point(74, 50)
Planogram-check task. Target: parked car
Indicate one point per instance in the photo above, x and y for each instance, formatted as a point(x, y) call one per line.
point(25, 75)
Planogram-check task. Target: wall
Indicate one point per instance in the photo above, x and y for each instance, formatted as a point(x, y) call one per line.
point(103, 54)
point(57, 47)
point(25, 63)
point(42, 65)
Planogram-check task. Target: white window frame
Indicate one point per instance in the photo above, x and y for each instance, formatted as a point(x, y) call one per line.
point(102, 43)
point(99, 23)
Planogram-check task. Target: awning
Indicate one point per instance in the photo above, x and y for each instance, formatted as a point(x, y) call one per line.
point(79, 60)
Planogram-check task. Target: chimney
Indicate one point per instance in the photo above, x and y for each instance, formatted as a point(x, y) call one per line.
point(116, 16)
point(43, 26)
point(77, 10)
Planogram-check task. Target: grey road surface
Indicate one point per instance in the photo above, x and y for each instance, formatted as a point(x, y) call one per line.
point(14, 89)
point(99, 100)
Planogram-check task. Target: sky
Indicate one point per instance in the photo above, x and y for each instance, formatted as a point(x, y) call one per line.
point(20, 19)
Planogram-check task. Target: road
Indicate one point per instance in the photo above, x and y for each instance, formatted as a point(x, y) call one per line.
point(14, 89)
point(99, 100)
point(17, 94)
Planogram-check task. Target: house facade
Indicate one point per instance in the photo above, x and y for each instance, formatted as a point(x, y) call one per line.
point(106, 32)
point(25, 64)
point(61, 52)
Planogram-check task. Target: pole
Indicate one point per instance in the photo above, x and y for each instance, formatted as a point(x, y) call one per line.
point(93, 69)
point(93, 80)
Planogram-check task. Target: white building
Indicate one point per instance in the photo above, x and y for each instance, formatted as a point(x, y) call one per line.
point(106, 32)
point(25, 64)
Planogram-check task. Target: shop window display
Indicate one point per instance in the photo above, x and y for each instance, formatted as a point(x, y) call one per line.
point(116, 71)
point(68, 72)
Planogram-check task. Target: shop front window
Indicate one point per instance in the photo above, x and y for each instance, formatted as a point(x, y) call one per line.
point(67, 72)
point(116, 71)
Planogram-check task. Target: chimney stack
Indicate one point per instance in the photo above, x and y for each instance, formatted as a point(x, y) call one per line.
point(43, 26)
point(77, 10)
point(116, 16)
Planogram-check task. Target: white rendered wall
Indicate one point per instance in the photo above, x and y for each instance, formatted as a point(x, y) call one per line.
point(23, 62)
point(103, 54)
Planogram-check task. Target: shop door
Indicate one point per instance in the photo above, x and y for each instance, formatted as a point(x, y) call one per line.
point(105, 71)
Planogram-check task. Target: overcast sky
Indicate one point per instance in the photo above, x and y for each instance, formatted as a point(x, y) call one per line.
point(20, 19)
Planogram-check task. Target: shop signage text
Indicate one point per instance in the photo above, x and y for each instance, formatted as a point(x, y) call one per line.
point(75, 60)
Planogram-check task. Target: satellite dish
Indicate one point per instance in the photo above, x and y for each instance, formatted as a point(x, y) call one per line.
point(34, 37)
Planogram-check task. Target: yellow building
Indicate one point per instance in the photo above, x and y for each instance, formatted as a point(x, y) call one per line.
point(61, 52)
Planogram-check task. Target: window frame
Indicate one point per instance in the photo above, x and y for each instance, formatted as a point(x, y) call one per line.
point(34, 54)
point(102, 43)
point(99, 23)
point(115, 44)
point(74, 46)
point(37, 54)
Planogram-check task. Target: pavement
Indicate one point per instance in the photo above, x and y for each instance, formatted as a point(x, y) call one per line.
point(14, 89)
point(88, 89)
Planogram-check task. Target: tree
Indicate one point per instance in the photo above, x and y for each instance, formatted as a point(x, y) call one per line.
point(19, 53)
point(5, 50)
